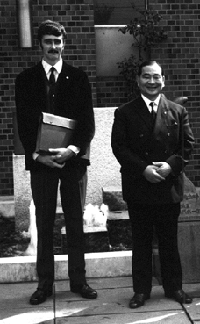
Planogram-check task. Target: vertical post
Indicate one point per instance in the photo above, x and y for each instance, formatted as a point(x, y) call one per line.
point(24, 23)
point(54, 304)
point(146, 4)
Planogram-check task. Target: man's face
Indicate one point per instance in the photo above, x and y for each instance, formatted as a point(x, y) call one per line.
point(151, 81)
point(52, 47)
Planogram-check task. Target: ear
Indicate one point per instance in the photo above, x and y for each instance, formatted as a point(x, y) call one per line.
point(40, 44)
point(163, 81)
point(63, 43)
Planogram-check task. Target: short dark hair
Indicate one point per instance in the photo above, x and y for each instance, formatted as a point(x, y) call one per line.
point(149, 63)
point(49, 27)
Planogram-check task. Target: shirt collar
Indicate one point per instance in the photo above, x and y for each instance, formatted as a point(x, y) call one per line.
point(147, 101)
point(57, 66)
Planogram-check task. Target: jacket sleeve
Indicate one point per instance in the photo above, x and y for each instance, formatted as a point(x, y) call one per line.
point(27, 122)
point(180, 158)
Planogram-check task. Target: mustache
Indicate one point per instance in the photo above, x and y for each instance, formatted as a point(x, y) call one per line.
point(53, 51)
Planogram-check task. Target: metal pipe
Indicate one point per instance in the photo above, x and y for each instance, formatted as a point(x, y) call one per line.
point(24, 23)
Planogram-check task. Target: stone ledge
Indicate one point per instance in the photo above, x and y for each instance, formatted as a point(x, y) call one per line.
point(7, 206)
point(121, 214)
point(106, 264)
point(88, 229)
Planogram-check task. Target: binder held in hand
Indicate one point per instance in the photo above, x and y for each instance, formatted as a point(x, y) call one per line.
point(54, 132)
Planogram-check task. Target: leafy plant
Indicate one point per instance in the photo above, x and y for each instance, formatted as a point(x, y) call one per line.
point(146, 33)
point(129, 68)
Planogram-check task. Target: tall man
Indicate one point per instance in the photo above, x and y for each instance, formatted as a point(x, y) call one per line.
point(152, 140)
point(69, 97)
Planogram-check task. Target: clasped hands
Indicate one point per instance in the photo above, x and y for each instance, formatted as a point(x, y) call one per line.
point(157, 172)
point(57, 158)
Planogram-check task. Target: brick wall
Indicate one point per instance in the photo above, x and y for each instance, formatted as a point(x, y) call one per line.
point(78, 18)
point(179, 56)
point(111, 91)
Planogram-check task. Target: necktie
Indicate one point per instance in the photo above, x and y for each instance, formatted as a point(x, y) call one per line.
point(153, 113)
point(51, 91)
point(52, 77)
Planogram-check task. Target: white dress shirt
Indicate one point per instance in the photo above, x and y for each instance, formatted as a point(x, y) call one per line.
point(57, 68)
point(147, 101)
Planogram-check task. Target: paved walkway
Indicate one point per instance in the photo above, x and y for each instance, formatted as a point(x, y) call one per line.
point(111, 306)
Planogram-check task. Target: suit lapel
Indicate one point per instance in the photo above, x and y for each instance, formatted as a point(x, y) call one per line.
point(39, 84)
point(162, 116)
point(65, 77)
point(64, 82)
point(143, 112)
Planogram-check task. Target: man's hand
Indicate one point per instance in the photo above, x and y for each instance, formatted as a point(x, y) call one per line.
point(62, 154)
point(164, 168)
point(151, 174)
point(50, 161)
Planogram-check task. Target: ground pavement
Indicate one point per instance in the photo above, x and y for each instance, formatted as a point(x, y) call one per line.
point(111, 306)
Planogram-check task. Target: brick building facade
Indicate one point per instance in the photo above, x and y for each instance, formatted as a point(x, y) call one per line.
point(179, 55)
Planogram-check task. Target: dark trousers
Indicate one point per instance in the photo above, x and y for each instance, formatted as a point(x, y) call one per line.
point(44, 184)
point(164, 219)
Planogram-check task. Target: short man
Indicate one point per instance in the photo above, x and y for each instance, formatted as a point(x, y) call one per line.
point(152, 140)
point(68, 95)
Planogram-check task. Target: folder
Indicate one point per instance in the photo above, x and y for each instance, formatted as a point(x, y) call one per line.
point(54, 132)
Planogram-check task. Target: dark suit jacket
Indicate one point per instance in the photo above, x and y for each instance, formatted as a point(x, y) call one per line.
point(72, 100)
point(135, 146)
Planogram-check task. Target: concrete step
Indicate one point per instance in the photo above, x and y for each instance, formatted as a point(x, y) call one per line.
point(7, 207)
point(105, 264)
point(120, 214)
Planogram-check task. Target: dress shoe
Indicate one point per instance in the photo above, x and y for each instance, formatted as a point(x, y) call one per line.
point(138, 300)
point(84, 290)
point(39, 296)
point(180, 296)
